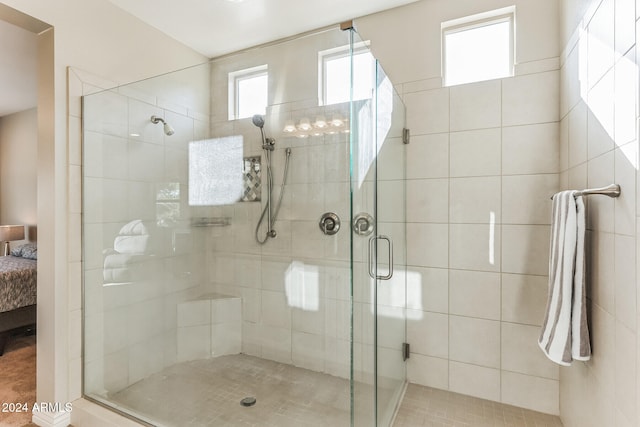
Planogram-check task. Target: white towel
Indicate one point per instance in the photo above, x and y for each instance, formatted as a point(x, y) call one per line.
point(565, 334)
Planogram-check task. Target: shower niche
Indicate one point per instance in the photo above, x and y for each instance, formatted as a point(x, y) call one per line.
point(252, 179)
point(239, 277)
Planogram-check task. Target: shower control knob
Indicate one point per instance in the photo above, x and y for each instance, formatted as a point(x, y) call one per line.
point(363, 224)
point(329, 223)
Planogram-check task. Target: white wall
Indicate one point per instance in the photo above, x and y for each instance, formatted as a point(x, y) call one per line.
point(95, 36)
point(18, 171)
point(599, 146)
point(407, 39)
point(481, 166)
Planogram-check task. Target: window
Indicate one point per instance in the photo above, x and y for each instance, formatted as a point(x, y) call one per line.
point(248, 90)
point(478, 48)
point(334, 74)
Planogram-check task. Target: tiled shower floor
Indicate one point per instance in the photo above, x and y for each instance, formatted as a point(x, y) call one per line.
point(429, 407)
point(208, 393)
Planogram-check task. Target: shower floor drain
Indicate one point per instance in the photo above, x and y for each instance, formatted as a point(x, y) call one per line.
point(248, 401)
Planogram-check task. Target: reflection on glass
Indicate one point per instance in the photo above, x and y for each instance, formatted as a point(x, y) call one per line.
point(492, 238)
point(252, 95)
point(215, 171)
point(168, 204)
point(414, 295)
point(302, 286)
point(368, 118)
point(130, 247)
point(335, 74)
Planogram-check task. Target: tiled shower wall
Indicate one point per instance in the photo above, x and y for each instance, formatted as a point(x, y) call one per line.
point(130, 325)
point(599, 147)
point(295, 289)
point(481, 167)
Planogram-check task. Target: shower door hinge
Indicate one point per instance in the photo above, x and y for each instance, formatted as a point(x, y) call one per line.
point(346, 25)
point(406, 136)
point(406, 350)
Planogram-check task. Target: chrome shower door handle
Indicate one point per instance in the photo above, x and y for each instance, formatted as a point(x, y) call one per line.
point(372, 273)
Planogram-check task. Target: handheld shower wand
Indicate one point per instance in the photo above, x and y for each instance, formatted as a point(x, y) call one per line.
point(268, 145)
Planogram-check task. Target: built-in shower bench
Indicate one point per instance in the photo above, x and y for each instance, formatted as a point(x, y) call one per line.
point(209, 326)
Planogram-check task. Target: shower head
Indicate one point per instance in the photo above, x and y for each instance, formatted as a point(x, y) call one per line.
point(258, 120)
point(168, 130)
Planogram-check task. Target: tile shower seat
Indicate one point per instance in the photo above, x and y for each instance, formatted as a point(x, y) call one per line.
point(209, 326)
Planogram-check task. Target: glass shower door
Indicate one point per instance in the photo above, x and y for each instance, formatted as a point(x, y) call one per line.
point(378, 250)
point(390, 247)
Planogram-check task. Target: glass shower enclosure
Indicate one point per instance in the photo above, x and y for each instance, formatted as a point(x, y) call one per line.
point(196, 311)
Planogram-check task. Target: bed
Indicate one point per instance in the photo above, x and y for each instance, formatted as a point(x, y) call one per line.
point(18, 284)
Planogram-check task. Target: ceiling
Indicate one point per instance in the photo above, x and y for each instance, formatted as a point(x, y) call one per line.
point(18, 69)
point(216, 27)
point(211, 27)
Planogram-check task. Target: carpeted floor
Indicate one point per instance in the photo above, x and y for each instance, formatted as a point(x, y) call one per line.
point(18, 381)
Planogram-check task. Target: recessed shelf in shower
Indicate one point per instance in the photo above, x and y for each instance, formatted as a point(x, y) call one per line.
point(252, 179)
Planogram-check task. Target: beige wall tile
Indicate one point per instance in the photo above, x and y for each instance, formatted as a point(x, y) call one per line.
point(428, 156)
point(599, 403)
point(474, 341)
point(521, 353)
point(474, 380)
point(601, 117)
point(428, 111)
point(574, 393)
point(600, 255)
point(603, 358)
point(474, 200)
point(564, 145)
point(531, 149)
point(428, 289)
point(428, 333)
point(539, 394)
point(525, 249)
point(475, 105)
point(427, 245)
point(524, 298)
point(601, 54)
point(526, 199)
point(625, 282)
point(626, 371)
point(626, 163)
point(531, 99)
point(474, 294)
point(475, 152)
point(428, 371)
point(427, 200)
point(577, 178)
point(475, 246)
point(578, 134)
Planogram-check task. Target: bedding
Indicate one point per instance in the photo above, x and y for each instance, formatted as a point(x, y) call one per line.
point(18, 289)
point(17, 282)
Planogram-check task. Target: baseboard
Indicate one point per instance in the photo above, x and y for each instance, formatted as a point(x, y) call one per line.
point(89, 414)
point(51, 419)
